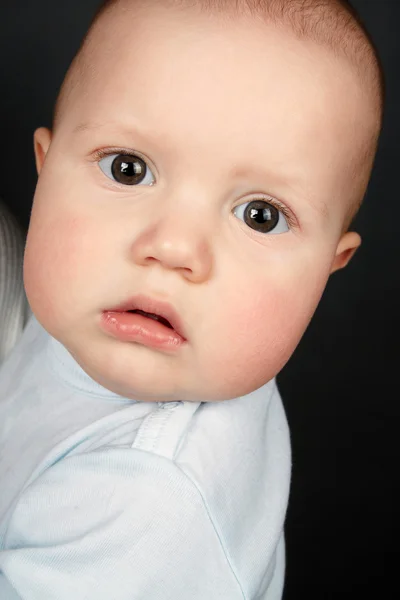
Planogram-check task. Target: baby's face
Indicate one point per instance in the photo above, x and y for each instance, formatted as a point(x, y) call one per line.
point(239, 137)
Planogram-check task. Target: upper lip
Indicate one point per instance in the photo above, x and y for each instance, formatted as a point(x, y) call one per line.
point(150, 305)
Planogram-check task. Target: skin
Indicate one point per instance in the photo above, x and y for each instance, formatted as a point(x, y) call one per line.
point(202, 102)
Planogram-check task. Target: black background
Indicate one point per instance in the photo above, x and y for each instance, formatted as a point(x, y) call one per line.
point(340, 386)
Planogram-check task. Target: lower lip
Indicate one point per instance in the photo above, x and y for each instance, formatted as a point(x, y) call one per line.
point(132, 327)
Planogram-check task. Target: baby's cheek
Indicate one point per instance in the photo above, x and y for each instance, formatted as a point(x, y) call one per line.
point(260, 336)
point(51, 267)
point(264, 332)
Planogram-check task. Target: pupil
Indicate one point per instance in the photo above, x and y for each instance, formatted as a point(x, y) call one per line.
point(261, 216)
point(129, 170)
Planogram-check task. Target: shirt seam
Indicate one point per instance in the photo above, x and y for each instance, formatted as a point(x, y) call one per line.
point(214, 526)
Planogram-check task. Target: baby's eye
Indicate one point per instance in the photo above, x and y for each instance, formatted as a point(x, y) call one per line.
point(262, 216)
point(127, 169)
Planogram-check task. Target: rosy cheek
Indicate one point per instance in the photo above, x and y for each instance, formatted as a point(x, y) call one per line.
point(67, 240)
point(261, 333)
point(38, 276)
point(264, 326)
point(52, 259)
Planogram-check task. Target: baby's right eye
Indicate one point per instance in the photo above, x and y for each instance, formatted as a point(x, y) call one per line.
point(127, 169)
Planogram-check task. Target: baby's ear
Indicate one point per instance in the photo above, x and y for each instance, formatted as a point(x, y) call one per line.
point(41, 144)
point(346, 249)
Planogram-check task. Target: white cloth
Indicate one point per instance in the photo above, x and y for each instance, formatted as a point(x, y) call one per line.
point(14, 307)
point(105, 498)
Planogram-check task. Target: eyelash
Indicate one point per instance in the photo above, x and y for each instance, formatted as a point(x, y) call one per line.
point(100, 154)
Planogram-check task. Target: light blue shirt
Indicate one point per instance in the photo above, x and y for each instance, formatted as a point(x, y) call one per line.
point(105, 498)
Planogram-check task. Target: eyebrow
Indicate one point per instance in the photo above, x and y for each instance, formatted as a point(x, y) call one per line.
point(321, 209)
point(87, 126)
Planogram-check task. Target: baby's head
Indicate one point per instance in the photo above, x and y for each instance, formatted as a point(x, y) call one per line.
point(208, 156)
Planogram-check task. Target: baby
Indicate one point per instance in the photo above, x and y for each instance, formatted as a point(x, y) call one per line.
point(195, 193)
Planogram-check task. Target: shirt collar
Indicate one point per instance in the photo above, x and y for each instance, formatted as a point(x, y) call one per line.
point(65, 367)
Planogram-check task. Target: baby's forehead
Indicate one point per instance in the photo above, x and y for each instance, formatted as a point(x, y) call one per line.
point(113, 26)
point(118, 43)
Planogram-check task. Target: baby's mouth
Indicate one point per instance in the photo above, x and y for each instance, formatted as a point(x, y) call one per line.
point(151, 308)
point(152, 316)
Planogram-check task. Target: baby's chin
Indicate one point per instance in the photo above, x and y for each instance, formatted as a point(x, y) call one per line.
point(147, 387)
point(145, 375)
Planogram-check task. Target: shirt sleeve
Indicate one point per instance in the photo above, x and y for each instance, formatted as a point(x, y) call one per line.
point(114, 524)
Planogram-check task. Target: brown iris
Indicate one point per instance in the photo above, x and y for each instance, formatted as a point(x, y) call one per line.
point(261, 216)
point(128, 169)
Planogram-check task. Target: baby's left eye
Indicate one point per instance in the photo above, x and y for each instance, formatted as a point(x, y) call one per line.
point(262, 216)
point(127, 169)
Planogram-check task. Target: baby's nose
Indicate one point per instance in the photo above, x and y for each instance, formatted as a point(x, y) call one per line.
point(176, 244)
